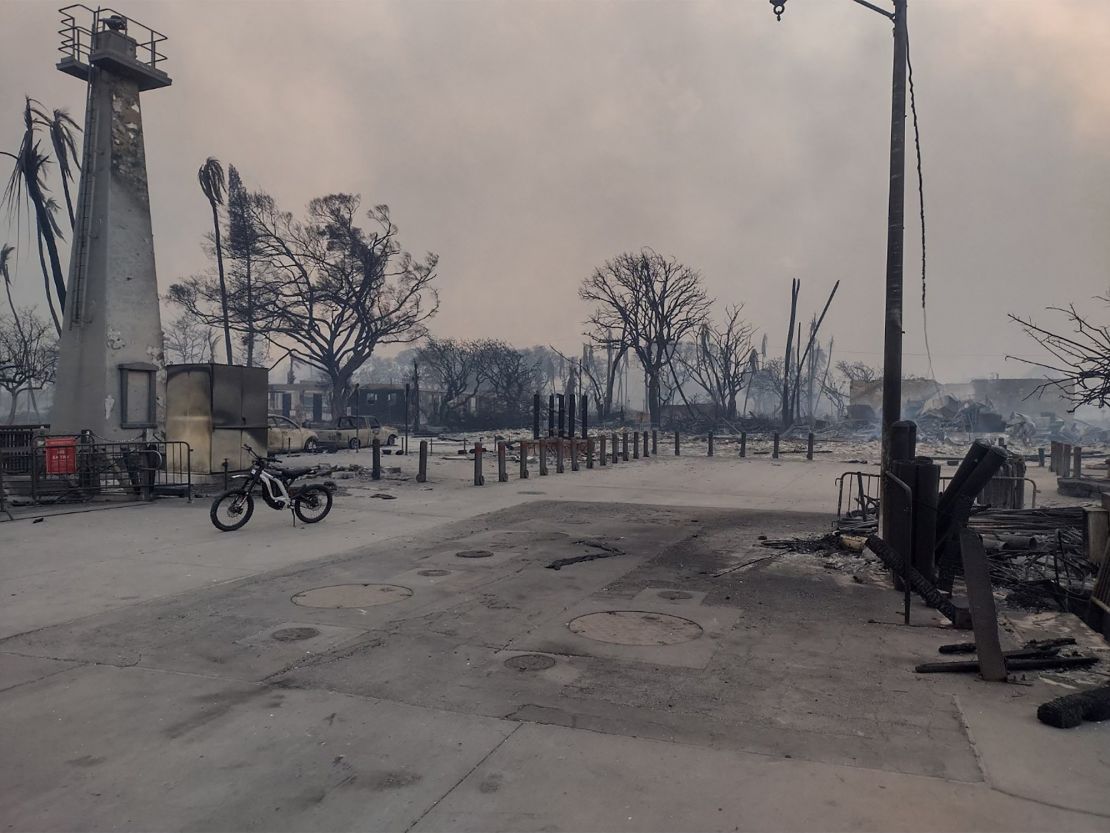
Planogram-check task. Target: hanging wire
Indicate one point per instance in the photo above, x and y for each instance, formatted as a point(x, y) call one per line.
point(921, 214)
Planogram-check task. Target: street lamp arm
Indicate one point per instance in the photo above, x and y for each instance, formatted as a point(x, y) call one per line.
point(779, 6)
point(874, 8)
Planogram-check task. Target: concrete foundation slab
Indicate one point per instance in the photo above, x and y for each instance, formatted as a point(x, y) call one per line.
point(599, 782)
point(132, 749)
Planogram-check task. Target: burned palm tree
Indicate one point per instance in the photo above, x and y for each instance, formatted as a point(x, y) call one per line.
point(62, 128)
point(28, 181)
point(5, 273)
point(211, 178)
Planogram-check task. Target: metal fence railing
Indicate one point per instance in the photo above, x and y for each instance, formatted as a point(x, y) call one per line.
point(39, 469)
point(858, 493)
point(80, 23)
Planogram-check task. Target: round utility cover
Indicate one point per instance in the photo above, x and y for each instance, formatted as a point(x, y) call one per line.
point(529, 662)
point(352, 595)
point(635, 627)
point(474, 554)
point(433, 573)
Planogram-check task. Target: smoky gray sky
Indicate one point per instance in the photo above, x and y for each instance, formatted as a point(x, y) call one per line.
point(527, 141)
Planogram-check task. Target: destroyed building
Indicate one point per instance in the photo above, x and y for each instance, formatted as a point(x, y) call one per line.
point(978, 406)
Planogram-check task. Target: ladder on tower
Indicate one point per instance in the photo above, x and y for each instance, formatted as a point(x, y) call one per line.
point(83, 229)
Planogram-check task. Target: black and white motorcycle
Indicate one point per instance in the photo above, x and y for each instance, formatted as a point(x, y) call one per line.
point(311, 503)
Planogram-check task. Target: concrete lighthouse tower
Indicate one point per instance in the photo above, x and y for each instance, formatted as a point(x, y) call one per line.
point(111, 372)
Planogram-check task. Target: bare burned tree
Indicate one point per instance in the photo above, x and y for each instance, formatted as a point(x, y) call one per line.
point(28, 356)
point(837, 387)
point(328, 289)
point(767, 383)
point(655, 302)
point(604, 380)
point(857, 371)
point(509, 377)
point(452, 366)
point(1080, 362)
point(188, 341)
point(722, 361)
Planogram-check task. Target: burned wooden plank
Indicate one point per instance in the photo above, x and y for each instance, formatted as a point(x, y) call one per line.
point(984, 616)
point(1028, 664)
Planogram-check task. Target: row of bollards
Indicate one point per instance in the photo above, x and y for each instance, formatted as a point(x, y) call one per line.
point(610, 449)
point(604, 450)
point(775, 447)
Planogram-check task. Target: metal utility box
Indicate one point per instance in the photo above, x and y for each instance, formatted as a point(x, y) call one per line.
point(217, 408)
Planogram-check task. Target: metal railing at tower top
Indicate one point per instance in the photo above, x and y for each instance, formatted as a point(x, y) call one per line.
point(80, 23)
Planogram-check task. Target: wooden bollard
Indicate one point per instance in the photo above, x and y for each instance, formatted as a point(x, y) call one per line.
point(502, 467)
point(1052, 452)
point(376, 470)
point(479, 480)
point(624, 446)
point(559, 455)
point(654, 442)
point(635, 445)
point(646, 453)
point(616, 450)
point(543, 457)
point(1077, 463)
point(809, 446)
point(775, 447)
point(743, 443)
point(710, 443)
point(573, 452)
point(1063, 469)
point(677, 450)
point(601, 455)
point(589, 453)
point(422, 472)
point(1040, 457)
point(523, 449)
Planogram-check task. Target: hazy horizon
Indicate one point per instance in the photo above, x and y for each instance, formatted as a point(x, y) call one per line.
point(526, 142)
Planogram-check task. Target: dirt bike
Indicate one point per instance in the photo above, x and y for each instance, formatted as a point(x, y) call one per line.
point(311, 503)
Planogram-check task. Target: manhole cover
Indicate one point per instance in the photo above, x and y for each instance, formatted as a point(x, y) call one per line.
point(674, 595)
point(352, 595)
point(635, 627)
point(529, 662)
point(433, 572)
point(294, 634)
point(473, 554)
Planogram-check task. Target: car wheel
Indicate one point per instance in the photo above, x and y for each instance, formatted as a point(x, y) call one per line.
point(310, 445)
point(392, 440)
point(355, 444)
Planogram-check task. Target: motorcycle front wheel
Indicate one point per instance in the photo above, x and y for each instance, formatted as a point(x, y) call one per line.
point(231, 510)
point(312, 504)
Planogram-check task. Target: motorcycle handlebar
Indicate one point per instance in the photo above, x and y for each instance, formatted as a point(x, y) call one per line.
point(257, 456)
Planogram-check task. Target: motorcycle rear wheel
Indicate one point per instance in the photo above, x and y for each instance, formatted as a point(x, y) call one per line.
point(312, 504)
point(236, 506)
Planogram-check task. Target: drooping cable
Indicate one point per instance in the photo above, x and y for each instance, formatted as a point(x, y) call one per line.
point(921, 214)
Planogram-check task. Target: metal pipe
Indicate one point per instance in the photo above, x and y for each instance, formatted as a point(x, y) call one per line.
point(906, 556)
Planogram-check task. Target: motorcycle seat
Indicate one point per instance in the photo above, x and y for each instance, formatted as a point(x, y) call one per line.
point(293, 473)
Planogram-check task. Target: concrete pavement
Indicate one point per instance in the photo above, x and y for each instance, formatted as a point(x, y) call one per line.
point(669, 675)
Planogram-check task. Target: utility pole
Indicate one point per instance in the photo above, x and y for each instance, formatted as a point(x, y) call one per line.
point(892, 333)
point(892, 339)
